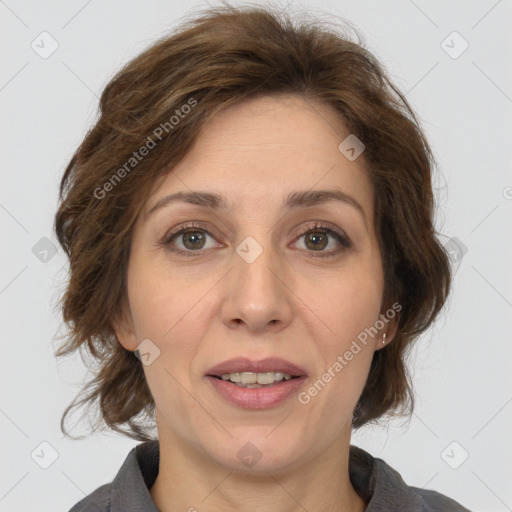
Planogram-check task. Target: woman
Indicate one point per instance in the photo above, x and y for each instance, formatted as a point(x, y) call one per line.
point(249, 228)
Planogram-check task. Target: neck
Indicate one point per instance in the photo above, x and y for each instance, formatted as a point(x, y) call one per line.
point(190, 481)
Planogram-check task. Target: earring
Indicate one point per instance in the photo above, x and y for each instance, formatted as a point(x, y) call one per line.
point(384, 339)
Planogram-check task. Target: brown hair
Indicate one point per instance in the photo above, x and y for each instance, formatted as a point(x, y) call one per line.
point(225, 55)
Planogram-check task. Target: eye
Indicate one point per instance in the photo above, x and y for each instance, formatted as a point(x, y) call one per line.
point(192, 238)
point(319, 236)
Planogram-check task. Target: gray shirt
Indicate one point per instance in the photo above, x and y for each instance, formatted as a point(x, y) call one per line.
point(377, 483)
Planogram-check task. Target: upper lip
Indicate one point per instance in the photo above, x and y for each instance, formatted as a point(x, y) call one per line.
point(244, 364)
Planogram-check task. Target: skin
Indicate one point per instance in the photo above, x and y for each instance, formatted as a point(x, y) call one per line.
point(290, 302)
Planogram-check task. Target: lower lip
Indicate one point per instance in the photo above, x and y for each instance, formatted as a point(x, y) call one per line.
point(257, 398)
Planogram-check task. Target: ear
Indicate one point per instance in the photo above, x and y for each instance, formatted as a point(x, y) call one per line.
point(124, 328)
point(389, 329)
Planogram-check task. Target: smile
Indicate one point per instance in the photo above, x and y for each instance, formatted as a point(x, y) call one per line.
point(254, 380)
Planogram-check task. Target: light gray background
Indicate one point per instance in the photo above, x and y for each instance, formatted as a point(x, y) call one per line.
point(461, 367)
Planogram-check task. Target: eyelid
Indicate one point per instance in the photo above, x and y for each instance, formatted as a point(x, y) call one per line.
point(188, 226)
point(327, 227)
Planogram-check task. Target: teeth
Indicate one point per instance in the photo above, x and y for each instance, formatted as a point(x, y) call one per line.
point(265, 378)
point(248, 378)
point(278, 376)
point(255, 380)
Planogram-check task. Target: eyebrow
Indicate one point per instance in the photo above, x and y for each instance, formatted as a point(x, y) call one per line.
point(297, 199)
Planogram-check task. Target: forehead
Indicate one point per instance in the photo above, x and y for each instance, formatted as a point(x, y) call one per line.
point(261, 149)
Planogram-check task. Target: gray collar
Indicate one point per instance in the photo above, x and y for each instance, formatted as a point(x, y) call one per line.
point(375, 481)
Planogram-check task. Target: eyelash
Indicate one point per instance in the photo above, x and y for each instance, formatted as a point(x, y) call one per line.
point(317, 227)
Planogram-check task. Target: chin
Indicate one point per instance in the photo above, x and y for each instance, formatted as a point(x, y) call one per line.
point(257, 454)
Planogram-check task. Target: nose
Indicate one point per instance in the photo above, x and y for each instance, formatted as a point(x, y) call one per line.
point(257, 296)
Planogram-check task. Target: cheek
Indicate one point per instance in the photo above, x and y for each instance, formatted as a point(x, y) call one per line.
point(173, 311)
point(348, 310)
point(160, 300)
point(349, 302)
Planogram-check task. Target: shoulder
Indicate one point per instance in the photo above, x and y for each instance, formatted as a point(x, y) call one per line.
point(384, 489)
point(434, 501)
point(130, 488)
point(97, 501)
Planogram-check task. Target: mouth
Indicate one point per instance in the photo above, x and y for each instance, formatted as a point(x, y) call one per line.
point(247, 372)
point(256, 384)
point(253, 380)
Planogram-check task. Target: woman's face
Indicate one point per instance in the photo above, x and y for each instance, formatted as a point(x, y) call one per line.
point(256, 278)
